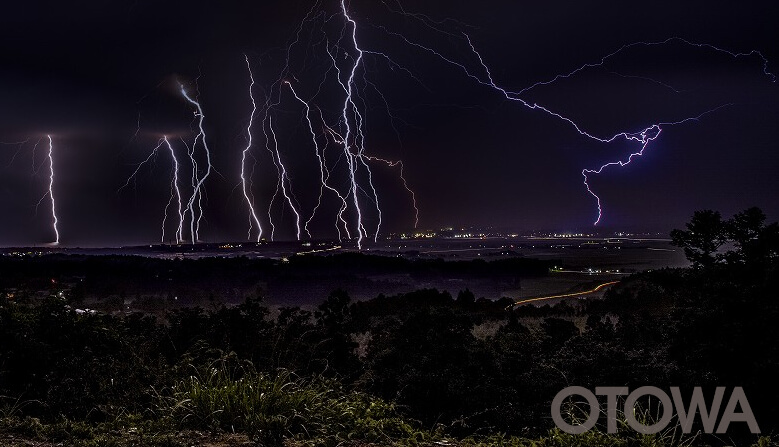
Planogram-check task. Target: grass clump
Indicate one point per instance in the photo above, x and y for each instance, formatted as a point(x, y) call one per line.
point(233, 397)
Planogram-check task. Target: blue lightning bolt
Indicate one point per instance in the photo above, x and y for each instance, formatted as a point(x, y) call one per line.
point(642, 137)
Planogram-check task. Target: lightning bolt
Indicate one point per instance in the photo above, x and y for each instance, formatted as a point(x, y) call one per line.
point(324, 173)
point(282, 177)
point(399, 164)
point(629, 46)
point(347, 62)
point(174, 186)
point(35, 169)
point(197, 192)
point(267, 125)
point(133, 176)
point(50, 192)
point(19, 146)
point(253, 220)
point(175, 191)
point(349, 103)
point(642, 137)
point(279, 178)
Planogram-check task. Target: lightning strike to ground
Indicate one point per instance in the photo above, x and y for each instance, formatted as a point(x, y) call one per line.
point(282, 177)
point(195, 202)
point(253, 220)
point(174, 186)
point(324, 173)
point(50, 192)
point(175, 191)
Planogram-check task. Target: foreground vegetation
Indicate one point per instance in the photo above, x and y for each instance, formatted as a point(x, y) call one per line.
point(422, 368)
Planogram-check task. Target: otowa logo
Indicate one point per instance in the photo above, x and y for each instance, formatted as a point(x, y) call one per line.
point(685, 413)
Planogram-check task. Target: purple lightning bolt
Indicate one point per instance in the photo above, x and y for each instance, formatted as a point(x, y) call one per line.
point(642, 137)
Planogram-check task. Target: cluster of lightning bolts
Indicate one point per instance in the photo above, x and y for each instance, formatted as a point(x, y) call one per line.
point(191, 209)
point(346, 129)
point(358, 214)
point(348, 132)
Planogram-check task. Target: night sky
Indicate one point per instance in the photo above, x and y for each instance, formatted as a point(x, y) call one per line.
point(102, 80)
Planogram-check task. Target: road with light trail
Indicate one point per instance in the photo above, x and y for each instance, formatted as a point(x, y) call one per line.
point(564, 295)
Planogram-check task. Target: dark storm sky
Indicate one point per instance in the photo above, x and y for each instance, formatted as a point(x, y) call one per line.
point(90, 72)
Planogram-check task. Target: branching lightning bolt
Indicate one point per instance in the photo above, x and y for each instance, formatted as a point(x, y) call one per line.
point(132, 176)
point(197, 192)
point(51, 191)
point(625, 47)
point(642, 137)
point(282, 177)
point(351, 156)
point(19, 146)
point(175, 191)
point(253, 220)
point(347, 63)
point(399, 164)
point(174, 186)
point(324, 173)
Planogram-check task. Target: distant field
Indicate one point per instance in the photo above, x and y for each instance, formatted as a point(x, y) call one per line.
point(304, 273)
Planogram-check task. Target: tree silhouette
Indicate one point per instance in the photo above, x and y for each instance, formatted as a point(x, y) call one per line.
point(705, 234)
